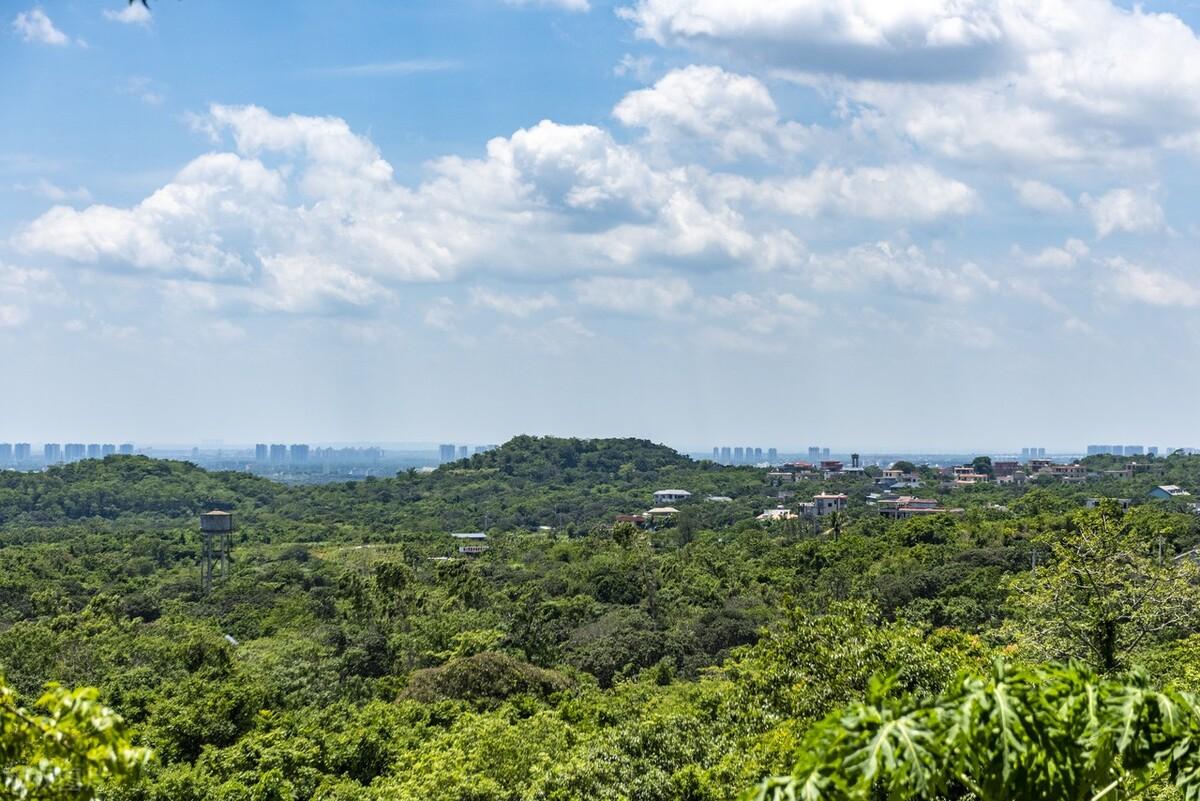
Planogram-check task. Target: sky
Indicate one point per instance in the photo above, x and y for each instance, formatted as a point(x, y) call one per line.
point(938, 224)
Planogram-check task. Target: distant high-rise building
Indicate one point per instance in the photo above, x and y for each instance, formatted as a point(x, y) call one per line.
point(824, 453)
point(126, 449)
point(93, 450)
point(1134, 450)
point(299, 454)
point(52, 453)
point(22, 451)
point(1025, 453)
point(108, 449)
point(74, 451)
point(772, 455)
point(6, 453)
point(261, 452)
point(446, 453)
point(463, 453)
point(1152, 450)
point(814, 452)
point(1041, 453)
point(278, 453)
point(726, 454)
point(739, 455)
point(758, 454)
point(716, 454)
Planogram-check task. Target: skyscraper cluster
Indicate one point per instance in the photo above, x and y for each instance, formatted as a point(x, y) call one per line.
point(742, 454)
point(21, 453)
point(448, 452)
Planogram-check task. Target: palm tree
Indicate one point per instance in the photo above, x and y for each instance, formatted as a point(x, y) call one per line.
point(837, 522)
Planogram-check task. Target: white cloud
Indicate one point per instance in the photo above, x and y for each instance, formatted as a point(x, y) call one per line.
point(34, 26)
point(899, 192)
point(866, 36)
point(732, 114)
point(1059, 257)
point(905, 270)
point(1085, 81)
point(51, 191)
point(634, 295)
point(143, 89)
point(1128, 210)
point(634, 66)
point(1134, 282)
point(305, 216)
point(1041, 196)
point(565, 5)
point(405, 67)
point(130, 14)
point(512, 305)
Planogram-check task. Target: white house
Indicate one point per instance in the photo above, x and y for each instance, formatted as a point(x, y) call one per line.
point(1168, 491)
point(668, 496)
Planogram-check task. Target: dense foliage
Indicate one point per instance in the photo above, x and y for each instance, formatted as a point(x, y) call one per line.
point(353, 652)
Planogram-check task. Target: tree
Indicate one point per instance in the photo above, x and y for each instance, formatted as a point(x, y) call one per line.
point(908, 468)
point(67, 748)
point(982, 465)
point(1053, 733)
point(1104, 592)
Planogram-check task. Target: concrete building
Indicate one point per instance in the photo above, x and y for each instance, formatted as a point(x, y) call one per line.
point(126, 449)
point(758, 454)
point(108, 449)
point(772, 455)
point(827, 503)
point(74, 451)
point(278, 453)
point(261, 452)
point(726, 454)
point(814, 453)
point(299, 454)
point(463, 452)
point(93, 450)
point(52, 453)
point(716, 454)
point(22, 452)
point(446, 453)
point(6, 453)
point(1168, 491)
point(668, 496)
point(739, 455)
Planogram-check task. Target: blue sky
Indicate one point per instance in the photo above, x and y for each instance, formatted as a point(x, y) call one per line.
point(938, 224)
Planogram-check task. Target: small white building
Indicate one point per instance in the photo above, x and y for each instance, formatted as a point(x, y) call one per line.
point(668, 496)
point(778, 513)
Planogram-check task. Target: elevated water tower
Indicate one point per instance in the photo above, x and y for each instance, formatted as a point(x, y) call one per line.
point(216, 535)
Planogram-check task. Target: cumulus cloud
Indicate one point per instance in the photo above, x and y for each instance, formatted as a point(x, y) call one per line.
point(1060, 257)
point(902, 192)
point(129, 14)
point(1127, 210)
point(1041, 196)
point(1085, 81)
point(305, 216)
point(865, 36)
point(733, 114)
point(1134, 282)
point(34, 26)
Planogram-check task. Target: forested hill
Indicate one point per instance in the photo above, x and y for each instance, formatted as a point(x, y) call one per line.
point(120, 486)
point(527, 482)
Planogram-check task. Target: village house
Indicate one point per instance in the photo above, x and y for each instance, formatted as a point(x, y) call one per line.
point(778, 513)
point(473, 543)
point(669, 496)
point(907, 506)
point(1168, 491)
